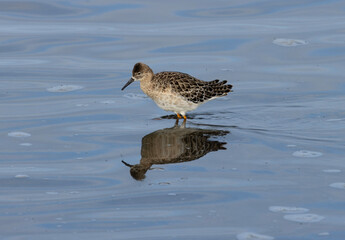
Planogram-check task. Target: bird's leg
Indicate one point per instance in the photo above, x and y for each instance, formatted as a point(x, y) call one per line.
point(176, 122)
point(183, 125)
point(184, 120)
point(178, 115)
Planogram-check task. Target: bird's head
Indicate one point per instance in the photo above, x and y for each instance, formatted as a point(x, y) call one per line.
point(140, 71)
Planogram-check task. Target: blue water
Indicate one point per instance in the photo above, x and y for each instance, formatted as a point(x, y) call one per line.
point(66, 126)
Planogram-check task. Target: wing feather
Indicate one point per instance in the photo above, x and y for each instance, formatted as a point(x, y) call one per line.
point(191, 88)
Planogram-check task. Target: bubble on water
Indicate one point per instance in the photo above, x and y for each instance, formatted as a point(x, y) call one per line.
point(331, 170)
point(252, 236)
point(21, 176)
point(283, 209)
point(339, 185)
point(285, 42)
point(304, 218)
point(306, 153)
point(26, 144)
point(64, 88)
point(19, 134)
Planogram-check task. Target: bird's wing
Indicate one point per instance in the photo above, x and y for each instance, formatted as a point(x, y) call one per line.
point(191, 88)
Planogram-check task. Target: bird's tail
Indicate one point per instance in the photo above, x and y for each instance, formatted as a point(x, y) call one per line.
point(219, 88)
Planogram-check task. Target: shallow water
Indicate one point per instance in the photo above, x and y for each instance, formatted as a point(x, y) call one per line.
point(265, 162)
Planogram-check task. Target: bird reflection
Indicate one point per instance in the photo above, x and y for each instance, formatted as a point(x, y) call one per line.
point(174, 145)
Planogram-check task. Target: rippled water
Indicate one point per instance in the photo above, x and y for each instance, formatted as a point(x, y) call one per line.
point(265, 162)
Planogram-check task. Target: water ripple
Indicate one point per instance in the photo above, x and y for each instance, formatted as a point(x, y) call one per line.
point(32, 10)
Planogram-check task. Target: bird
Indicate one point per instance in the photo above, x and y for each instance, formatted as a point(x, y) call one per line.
point(176, 91)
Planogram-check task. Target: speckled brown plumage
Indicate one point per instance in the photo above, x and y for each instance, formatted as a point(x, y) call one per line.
point(191, 88)
point(176, 91)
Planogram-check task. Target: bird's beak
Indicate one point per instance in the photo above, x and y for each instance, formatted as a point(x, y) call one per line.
point(127, 164)
point(129, 82)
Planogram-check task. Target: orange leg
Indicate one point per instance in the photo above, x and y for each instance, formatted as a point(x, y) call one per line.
point(178, 116)
point(184, 117)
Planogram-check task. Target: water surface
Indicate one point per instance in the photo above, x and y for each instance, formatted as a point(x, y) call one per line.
point(65, 125)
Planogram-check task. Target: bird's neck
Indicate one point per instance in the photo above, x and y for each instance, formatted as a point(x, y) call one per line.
point(146, 85)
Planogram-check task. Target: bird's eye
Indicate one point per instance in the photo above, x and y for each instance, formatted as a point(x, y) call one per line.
point(138, 73)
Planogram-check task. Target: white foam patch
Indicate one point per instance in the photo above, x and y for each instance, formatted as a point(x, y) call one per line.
point(285, 42)
point(291, 145)
point(109, 101)
point(21, 176)
point(282, 209)
point(339, 185)
point(74, 192)
point(307, 154)
point(52, 193)
point(19, 134)
point(81, 105)
point(26, 144)
point(331, 170)
point(304, 218)
point(136, 96)
point(252, 236)
point(335, 119)
point(64, 88)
